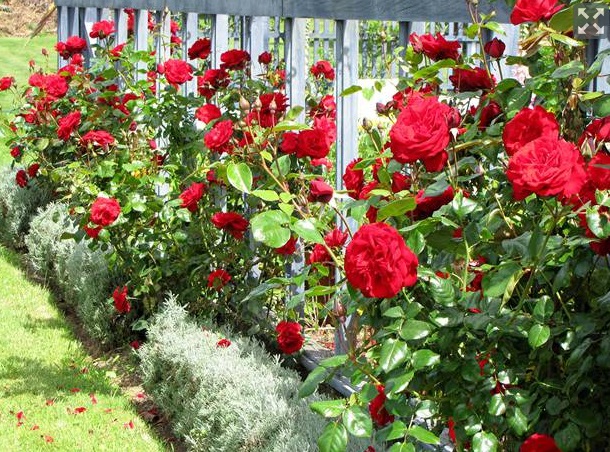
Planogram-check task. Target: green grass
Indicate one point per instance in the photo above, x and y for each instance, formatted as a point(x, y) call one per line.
point(46, 375)
point(15, 55)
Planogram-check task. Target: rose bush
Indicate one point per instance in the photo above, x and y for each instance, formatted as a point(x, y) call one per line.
point(465, 262)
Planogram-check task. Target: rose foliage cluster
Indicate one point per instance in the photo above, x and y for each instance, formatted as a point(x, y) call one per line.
point(465, 262)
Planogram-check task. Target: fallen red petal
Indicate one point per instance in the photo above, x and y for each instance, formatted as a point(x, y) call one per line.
point(75, 390)
point(93, 398)
point(20, 416)
point(128, 424)
point(50, 402)
point(48, 439)
point(35, 427)
point(80, 409)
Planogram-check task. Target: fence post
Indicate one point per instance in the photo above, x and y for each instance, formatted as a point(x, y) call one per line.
point(141, 39)
point(347, 122)
point(220, 37)
point(190, 34)
point(294, 52)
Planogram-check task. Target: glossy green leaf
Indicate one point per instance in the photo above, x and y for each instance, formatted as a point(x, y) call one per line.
point(544, 309)
point(402, 447)
point(307, 231)
point(563, 20)
point(333, 438)
point(497, 407)
point(393, 353)
point(351, 90)
point(495, 283)
point(266, 195)
point(425, 358)
point(328, 408)
point(240, 176)
point(415, 329)
point(518, 421)
point(484, 442)
point(268, 227)
point(358, 422)
point(394, 312)
point(396, 208)
point(568, 69)
point(400, 383)
point(423, 435)
point(538, 335)
point(313, 380)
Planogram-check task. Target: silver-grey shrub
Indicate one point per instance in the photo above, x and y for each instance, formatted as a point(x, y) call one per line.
point(234, 399)
point(18, 205)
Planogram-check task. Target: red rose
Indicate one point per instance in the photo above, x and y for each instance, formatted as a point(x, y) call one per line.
point(98, 138)
point(327, 107)
point(272, 107)
point(336, 238)
point(92, 232)
point(319, 191)
point(289, 339)
point(599, 170)
point(451, 426)
point(288, 248)
point(494, 48)
point(207, 113)
point(400, 182)
point(102, 29)
point(191, 196)
point(488, 113)
point(318, 255)
point(427, 205)
point(421, 132)
point(33, 170)
point(290, 142)
point(72, 46)
point(116, 51)
point(234, 59)
point(121, 303)
point(68, 124)
point(21, 178)
point(353, 179)
point(539, 443)
point(378, 262)
point(6, 83)
point(232, 222)
point(265, 58)
point(177, 71)
point(223, 343)
point(218, 279)
point(377, 409)
point(313, 143)
point(328, 126)
point(548, 166)
point(135, 344)
point(104, 211)
point(534, 10)
point(219, 137)
point(598, 130)
point(435, 47)
point(15, 152)
point(471, 79)
point(323, 69)
point(528, 125)
point(55, 86)
point(200, 49)
point(211, 81)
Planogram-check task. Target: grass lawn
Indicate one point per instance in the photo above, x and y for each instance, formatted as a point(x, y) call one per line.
point(15, 55)
point(52, 395)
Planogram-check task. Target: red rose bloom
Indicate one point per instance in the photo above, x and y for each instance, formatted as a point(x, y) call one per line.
point(427, 205)
point(200, 49)
point(421, 132)
point(289, 339)
point(121, 303)
point(219, 137)
point(232, 222)
point(104, 211)
point(327, 107)
point(539, 443)
point(378, 262)
point(68, 124)
point(599, 170)
point(191, 196)
point(534, 10)
point(135, 344)
point(548, 166)
point(211, 81)
point(598, 130)
point(323, 69)
point(223, 343)
point(218, 279)
point(314, 143)
point(318, 255)
point(116, 51)
point(97, 138)
point(400, 182)
point(234, 59)
point(15, 152)
point(488, 113)
point(273, 106)
point(319, 191)
point(353, 179)
point(21, 178)
point(6, 83)
point(177, 72)
point(472, 79)
point(290, 142)
point(528, 125)
point(377, 409)
point(288, 248)
point(265, 58)
point(207, 113)
point(92, 232)
point(435, 47)
point(494, 48)
point(55, 86)
point(102, 29)
point(336, 238)
point(33, 170)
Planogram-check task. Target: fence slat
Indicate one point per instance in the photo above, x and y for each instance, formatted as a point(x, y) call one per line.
point(296, 70)
point(120, 21)
point(220, 37)
point(190, 34)
point(141, 38)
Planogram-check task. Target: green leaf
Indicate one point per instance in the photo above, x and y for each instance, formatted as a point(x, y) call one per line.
point(415, 329)
point(267, 227)
point(105, 169)
point(328, 408)
point(599, 224)
point(566, 40)
point(543, 309)
point(294, 112)
point(518, 421)
point(391, 432)
point(562, 21)
point(423, 435)
point(425, 358)
point(351, 90)
point(266, 195)
point(484, 442)
point(393, 353)
point(398, 384)
point(240, 176)
point(497, 407)
point(569, 438)
point(289, 125)
point(517, 99)
point(396, 208)
point(442, 290)
point(538, 335)
point(313, 380)
point(333, 438)
point(42, 144)
point(507, 84)
point(358, 422)
point(495, 283)
point(568, 69)
point(402, 447)
point(394, 312)
point(307, 231)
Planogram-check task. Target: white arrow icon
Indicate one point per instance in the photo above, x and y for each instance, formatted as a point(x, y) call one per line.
point(599, 12)
point(583, 30)
point(599, 30)
point(583, 12)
